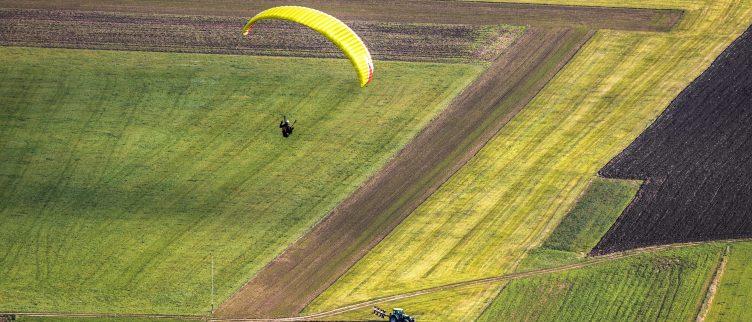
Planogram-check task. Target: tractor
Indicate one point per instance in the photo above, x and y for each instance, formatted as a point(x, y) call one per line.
point(397, 315)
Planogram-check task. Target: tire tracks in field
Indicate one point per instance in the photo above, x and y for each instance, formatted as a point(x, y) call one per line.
point(591, 261)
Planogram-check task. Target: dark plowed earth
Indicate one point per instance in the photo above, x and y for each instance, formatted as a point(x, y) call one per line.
point(313, 263)
point(697, 162)
point(221, 35)
point(444, 12)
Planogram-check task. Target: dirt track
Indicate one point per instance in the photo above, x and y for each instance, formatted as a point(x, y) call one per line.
point(444, 12)
point(221, 35)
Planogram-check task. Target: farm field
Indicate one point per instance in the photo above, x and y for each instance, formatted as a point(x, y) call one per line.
point(212, 34)
point(595, 211)
point(696, 162)
point(123, 174)
point(669, 285)
point(583, 226)
point(663, 284)
point(486, 218)
point(459, 185)
point(732, 298)
point(396, 11)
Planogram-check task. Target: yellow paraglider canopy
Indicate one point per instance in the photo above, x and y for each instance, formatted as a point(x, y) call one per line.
point(332, 28)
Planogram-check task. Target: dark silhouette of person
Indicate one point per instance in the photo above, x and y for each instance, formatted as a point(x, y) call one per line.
point(286, 127)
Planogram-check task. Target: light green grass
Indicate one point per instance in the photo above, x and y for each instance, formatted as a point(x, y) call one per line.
point(734, 294)
point(123, 173)
point(649, 287)
point(513, 193)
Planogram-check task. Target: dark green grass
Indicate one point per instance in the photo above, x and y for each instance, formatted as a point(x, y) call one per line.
point(592, 216)
point(122, 174)
point(583, 226)
point(668, 285)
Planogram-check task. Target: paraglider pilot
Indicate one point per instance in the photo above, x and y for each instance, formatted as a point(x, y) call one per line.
point(286, 127)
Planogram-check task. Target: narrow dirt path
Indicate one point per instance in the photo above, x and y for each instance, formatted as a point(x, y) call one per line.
point(713, 287)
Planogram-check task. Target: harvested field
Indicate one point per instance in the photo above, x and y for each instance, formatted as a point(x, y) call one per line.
point(221, 35)
point(421, 11)
point(696, 159)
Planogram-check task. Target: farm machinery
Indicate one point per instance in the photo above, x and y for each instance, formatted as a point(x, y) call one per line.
point(397, 315)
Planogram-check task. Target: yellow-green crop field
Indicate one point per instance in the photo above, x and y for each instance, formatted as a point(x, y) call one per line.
point(509, 197)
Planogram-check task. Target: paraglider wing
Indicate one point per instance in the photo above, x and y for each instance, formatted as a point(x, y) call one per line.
point(332, 28)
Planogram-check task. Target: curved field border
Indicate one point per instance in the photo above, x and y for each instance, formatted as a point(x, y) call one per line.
point(315, 261)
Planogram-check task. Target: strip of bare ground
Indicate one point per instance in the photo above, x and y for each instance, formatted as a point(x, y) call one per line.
point(309, 266)
point(713, 287)
point(220, 35)
point(422, 11)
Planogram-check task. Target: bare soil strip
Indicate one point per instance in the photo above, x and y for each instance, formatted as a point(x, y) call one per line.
point(221, 35)
point(309, 266)
point(713, 287)
point(444, 12)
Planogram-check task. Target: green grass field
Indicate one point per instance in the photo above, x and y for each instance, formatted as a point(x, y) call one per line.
point(734, 294)
point(583, 226)
point(592, 215)
point(123, 174)
point(665, 286)
point(510, 196)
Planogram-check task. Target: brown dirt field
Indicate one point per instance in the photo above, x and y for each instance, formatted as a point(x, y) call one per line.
point(445, 12)
point(309, 266)
point(221, 35)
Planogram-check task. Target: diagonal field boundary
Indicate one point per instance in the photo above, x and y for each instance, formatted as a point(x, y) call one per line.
point(316, 260)
point(308, 267)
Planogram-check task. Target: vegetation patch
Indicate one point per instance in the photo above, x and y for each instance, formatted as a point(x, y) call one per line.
point(592, 215)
